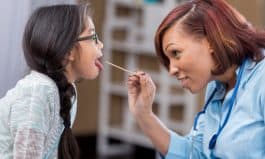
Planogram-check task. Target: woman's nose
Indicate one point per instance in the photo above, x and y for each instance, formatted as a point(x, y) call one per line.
point(173, 70)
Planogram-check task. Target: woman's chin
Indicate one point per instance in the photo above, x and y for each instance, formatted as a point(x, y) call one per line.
point(191, 90)
point(194, 90)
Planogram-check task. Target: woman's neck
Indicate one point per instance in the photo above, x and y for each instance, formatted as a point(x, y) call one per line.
point(229, 78)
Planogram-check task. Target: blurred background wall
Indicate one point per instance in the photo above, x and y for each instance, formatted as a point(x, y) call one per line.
point(12, 65)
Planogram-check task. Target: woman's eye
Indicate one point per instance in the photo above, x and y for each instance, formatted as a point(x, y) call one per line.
point(175, 53)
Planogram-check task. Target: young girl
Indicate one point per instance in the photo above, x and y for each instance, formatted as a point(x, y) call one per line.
point(36, 116)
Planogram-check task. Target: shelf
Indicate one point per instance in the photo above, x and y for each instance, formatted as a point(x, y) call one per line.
point(133, 44)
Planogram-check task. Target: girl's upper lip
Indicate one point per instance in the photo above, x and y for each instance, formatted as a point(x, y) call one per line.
point(99, 57)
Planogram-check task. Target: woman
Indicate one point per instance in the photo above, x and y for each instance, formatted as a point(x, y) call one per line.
point(60, 46)
point(207, 43)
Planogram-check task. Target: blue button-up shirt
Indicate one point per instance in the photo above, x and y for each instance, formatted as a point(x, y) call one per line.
point(244, 134)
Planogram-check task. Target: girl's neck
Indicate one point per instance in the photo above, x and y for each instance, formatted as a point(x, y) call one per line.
point(69, 74)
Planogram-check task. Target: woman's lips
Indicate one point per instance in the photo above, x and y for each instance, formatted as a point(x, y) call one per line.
point(184, 82)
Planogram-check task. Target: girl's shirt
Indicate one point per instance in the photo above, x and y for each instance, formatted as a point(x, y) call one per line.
point(244, 134)
point(30, 122)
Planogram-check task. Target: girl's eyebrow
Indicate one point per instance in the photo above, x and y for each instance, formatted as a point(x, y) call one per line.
point(91, 30)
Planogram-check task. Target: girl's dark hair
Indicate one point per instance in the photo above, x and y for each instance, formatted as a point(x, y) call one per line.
point(49, 36)
point(231, 37)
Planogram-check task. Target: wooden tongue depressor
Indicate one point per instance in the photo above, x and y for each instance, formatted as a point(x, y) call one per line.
point(119, 67)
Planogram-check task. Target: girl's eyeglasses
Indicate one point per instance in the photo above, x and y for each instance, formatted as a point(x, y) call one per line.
point(90, 37)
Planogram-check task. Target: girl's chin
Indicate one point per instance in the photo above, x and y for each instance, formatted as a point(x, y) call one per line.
point(93, 76)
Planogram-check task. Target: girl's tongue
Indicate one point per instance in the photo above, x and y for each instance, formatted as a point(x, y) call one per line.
point(98, 64)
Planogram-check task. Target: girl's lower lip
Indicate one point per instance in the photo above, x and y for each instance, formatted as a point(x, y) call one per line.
point(99, 65)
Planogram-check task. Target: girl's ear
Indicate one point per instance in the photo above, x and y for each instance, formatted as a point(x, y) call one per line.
point(71, 55)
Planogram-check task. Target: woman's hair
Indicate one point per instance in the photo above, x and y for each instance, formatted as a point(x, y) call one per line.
point(231, 37)
point(50, 34)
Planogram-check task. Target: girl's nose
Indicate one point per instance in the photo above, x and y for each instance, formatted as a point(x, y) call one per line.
point(100, 44)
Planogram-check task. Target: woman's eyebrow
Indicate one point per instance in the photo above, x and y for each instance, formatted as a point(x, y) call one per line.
point(167, 46)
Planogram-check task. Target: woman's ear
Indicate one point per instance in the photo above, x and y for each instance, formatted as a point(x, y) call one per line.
point(211, 50)
point(208, 45)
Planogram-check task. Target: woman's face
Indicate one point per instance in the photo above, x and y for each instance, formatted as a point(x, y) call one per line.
point(86, 62)
point(190, 58)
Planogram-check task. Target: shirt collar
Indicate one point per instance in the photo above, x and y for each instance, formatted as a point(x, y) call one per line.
point(220, 91)
point(250, 67)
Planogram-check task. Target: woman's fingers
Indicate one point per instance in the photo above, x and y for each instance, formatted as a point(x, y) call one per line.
point(133, 82)
point(142, 80)
point(148, 88)
point(133, 85)
point(141, 90)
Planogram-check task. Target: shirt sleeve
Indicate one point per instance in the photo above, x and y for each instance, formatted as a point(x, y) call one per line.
point(29, 122)
point(178, 147)
point(181, 147)
point(262, 103)
point(264, 112)
point(260, 92)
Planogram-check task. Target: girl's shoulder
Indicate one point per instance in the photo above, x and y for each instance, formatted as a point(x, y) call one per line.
point(37, 81)
point(35, 85)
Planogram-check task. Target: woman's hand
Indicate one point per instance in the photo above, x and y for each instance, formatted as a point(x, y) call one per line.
point(141, 92)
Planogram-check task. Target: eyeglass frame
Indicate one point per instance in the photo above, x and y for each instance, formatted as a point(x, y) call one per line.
point(89, 37)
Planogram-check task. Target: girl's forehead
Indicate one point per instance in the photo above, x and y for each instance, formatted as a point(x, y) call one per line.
point(90, 24)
